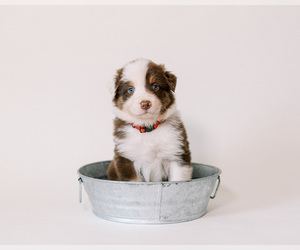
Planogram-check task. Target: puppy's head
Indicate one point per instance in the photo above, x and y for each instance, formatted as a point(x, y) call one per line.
point(144, 91)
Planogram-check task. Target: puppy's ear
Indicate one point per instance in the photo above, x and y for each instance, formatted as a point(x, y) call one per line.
point(118, 78)
point(115, 83)
point(172, 80)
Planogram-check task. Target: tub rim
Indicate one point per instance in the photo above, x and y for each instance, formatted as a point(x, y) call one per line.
point(219, 171)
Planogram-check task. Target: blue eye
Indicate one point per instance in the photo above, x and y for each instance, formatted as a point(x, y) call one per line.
point(155, 87)
point(130, 90)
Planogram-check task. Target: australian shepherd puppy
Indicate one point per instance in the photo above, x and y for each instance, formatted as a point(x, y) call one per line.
point(150, 139)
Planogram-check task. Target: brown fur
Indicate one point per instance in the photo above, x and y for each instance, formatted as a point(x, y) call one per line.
point(121, 169)
point(166, 82)
point(186, 156)
point(118, 124)
point(121, 93)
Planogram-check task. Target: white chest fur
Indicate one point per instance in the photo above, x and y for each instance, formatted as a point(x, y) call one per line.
point(153, 152)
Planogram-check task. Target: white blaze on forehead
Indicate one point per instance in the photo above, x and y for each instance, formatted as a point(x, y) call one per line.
point(135, 72)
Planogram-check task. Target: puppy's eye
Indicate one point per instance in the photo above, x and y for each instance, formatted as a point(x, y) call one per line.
point(130, 90)
point(155, 86)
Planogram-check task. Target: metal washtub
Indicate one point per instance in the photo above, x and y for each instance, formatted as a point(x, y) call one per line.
point(148, 202)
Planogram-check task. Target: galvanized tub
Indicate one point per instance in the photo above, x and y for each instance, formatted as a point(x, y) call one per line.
point(149, 202)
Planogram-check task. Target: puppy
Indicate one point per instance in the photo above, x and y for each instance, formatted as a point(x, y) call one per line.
point(150, 139)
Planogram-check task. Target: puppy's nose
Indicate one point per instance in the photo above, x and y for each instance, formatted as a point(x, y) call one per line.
point(145, 104)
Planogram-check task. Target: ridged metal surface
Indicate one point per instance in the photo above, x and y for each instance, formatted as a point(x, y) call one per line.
point(149, 202)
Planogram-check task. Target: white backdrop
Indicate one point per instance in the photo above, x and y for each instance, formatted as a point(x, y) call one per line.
point(238, 92)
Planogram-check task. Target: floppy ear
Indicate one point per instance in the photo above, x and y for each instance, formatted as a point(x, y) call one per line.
point(172, 79)
point(118, 78)
point(115, 83)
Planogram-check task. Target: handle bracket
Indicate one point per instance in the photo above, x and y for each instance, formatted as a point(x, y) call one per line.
point(80, 189)
point(219, 181)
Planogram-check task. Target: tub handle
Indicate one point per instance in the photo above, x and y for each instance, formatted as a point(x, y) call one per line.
point(219, 181)
point(80, 189)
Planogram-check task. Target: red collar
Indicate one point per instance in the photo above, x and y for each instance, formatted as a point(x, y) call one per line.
point(144, 129)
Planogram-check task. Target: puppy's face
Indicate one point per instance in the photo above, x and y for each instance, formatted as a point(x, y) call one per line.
point(144, 90)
